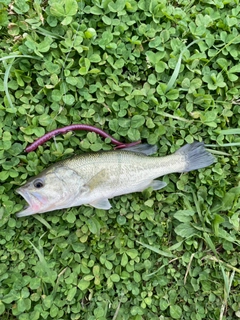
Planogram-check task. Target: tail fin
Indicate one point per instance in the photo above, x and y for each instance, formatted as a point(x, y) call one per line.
point(196, 156)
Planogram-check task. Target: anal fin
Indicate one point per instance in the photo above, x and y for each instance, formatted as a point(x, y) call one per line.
point(101, 204)
point(154, 184)
point(157, 184)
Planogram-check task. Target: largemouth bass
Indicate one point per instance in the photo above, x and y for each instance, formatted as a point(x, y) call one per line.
point(96, 177)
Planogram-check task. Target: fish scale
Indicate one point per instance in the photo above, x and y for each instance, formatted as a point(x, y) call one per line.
point(92, 179)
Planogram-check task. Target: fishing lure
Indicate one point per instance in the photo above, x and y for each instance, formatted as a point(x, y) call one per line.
point(119, 145)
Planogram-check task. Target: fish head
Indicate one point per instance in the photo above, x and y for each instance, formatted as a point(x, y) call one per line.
point(54, 188)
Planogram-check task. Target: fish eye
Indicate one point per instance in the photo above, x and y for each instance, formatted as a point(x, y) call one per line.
point(38, 183)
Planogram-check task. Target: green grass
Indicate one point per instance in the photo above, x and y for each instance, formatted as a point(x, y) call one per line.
point(165, 72)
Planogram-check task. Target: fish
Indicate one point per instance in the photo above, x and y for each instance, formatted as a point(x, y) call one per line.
point(94, 178)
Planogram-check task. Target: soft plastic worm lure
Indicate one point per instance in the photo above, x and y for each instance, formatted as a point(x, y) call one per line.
point(86, 127)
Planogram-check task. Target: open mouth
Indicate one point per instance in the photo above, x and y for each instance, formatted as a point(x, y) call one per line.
point(32, 205)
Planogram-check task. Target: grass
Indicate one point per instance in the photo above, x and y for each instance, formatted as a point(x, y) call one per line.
point(165, 72)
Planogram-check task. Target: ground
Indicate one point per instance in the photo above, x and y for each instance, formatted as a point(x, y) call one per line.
point(165, 72)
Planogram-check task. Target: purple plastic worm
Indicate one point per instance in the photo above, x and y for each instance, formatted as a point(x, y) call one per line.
point(73, 127)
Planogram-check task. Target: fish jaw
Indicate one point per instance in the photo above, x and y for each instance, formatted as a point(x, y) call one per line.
point(35, 203)
point(26, 212)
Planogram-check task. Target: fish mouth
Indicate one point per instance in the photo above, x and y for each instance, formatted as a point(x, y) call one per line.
point(33, 203)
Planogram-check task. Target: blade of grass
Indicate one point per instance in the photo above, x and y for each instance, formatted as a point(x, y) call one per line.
point(162, 266)
point(197, 206)
point(188, 267)
point(210, 244)
point(5, 84)
point(43, 262)
point(165, 114)
point(219, 153)
point(229, 131)
point(43, 221)
point(231, 144)
point(224, 263)
point(227, 287)
point(228, 44)
point(7, 72)
point(55, 288)
point(19, 56)
point(156, 250)
point(48, 33)
point(65, 61)
point(117, 310)
point(175, 74)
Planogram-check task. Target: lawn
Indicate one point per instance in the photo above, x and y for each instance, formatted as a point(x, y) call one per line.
point(165, 72)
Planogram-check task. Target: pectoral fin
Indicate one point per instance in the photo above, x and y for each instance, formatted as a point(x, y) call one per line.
point(97, 180)
point(101, 204)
